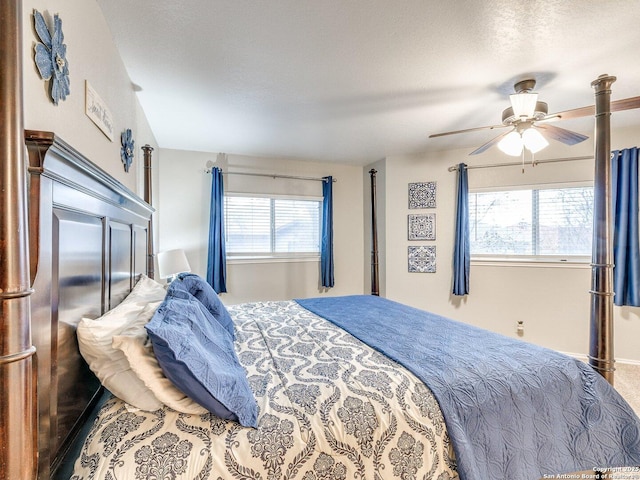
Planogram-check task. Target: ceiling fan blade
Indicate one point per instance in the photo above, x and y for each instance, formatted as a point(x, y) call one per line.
point(490, 127)
point(575, 113)
point(562, 135)
point(589, 111)
point(625, 104)
point(490, 143)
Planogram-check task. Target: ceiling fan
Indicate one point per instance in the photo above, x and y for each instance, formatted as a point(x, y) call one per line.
point(528, 120)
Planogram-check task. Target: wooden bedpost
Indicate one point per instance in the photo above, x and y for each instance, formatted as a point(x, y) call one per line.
point(148, 182)
point(601, 356)
point(374, 236)
point(18, 431)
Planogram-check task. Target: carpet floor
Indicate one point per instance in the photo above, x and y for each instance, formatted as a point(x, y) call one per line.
point(626, 380)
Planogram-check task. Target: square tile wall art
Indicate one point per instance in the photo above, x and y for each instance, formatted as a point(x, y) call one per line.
point(422, 195)
point(422, 226)
point(422, 259)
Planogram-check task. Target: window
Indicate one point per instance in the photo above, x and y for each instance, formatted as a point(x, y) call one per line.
point(539, 222)
point(271, 226)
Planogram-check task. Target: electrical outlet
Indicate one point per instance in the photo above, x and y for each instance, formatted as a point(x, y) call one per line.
point(520, 328)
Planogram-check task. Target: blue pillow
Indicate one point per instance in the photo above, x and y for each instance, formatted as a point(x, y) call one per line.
point(199, 288)
point(179, 290)
point(196, 354)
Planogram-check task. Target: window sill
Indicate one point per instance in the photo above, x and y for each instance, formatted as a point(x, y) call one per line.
point(241, 259)
point(549, 261)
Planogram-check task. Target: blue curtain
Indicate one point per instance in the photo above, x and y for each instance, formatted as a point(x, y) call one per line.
point(626, 252)
point(217, 258)
point(461, 253)
point(326, 246)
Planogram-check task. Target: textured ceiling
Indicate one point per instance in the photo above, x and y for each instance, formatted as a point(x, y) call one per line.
point(358, 80)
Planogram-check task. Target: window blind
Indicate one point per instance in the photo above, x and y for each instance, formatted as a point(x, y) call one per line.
point(271, 225)
point(532, 222)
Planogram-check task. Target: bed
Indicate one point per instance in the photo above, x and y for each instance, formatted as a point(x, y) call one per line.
point(318, 414)
point(328, 405)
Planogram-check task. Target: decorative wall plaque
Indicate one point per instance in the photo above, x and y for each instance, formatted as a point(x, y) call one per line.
point(422, 195)
point(422, 226)
point(98, 112)
point(422, 259)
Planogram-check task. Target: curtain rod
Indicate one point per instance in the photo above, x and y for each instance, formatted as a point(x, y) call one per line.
point(273, 175)
point(454, 168)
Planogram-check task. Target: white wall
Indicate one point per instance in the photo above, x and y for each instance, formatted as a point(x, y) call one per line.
point(184, 222)
point(92, 56)
point(553, 301)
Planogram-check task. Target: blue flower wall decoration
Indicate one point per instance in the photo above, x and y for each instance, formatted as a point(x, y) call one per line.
point(51, 56)
point(126, 152)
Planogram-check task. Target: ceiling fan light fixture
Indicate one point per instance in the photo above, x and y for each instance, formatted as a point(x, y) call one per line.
point(522, 117)
point(533, 140)
point(523, 104)
point(511, 144)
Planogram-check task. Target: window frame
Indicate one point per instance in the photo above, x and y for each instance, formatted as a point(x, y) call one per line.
point(275, 257)
point(543, 260)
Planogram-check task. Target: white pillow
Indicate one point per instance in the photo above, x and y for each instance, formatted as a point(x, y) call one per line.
point(137, 348)
point(109, 364)
point(145, 291)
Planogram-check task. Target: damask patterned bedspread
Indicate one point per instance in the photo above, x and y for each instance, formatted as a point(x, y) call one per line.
point(330, 408)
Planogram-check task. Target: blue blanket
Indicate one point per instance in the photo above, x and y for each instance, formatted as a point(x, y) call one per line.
point(513, 410)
